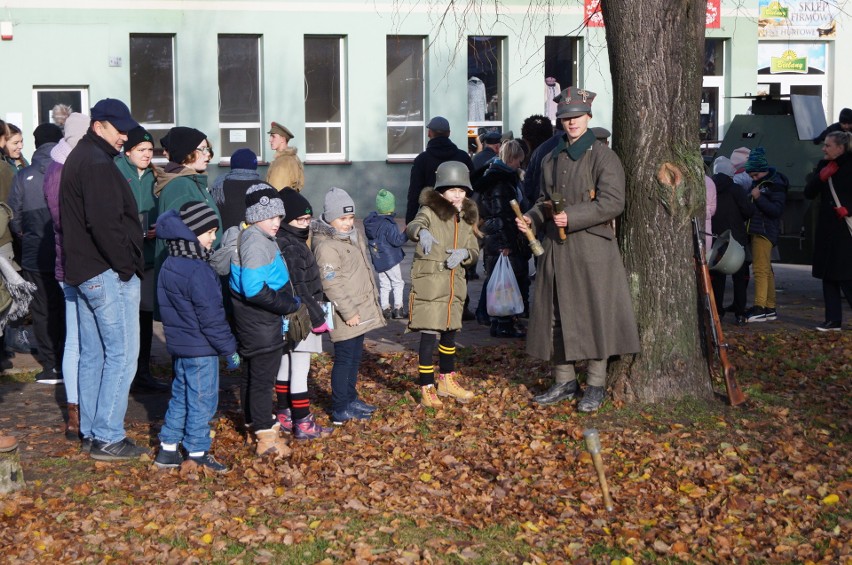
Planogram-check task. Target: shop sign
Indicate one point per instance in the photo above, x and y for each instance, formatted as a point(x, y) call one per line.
point(788, 62)
point(797, 19)
point(791, 58)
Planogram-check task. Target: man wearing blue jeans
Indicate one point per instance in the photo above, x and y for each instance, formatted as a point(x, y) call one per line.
point(103, 235)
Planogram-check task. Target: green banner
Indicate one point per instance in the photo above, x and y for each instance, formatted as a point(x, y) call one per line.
point(788, 62)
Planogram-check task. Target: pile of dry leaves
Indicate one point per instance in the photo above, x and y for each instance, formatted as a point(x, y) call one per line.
point(495, 480)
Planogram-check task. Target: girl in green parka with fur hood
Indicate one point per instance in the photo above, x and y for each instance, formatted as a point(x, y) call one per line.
point(446, 232)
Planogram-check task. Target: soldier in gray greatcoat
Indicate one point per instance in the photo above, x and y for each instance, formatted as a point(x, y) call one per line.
point(581, 308)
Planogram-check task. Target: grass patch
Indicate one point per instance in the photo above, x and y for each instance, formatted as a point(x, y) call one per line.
point(18, 378)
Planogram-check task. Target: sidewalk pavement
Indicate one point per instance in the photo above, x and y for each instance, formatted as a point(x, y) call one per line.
point(800, 307)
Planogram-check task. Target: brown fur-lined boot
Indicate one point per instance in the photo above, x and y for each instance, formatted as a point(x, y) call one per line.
point(72, 427)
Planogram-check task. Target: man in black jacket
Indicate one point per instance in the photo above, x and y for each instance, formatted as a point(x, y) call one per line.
point(439, 150)
point(103, 241)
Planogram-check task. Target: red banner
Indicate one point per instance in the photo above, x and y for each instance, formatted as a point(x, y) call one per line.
point(713, 18)
point(592, 15)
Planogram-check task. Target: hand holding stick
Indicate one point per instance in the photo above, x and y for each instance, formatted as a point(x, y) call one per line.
point(558, 207)
point(535, 246)
point(593, 446)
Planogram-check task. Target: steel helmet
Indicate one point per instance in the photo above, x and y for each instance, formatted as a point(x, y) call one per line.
point(726, 255)
point(452, 174)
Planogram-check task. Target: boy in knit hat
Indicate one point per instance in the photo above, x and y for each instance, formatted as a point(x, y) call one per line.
point(190, 298)
point(385, 241)
point(348, 282)
point(769, 194)
point(261, 292)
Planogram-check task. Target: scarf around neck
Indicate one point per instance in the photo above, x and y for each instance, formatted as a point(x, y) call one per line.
point(188, 249)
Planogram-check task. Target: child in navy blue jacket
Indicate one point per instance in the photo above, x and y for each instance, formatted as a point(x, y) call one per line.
point(385, 241)
point(190, 299)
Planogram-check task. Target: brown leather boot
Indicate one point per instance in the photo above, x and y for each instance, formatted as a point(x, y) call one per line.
point(72, 428)
point(270, 442)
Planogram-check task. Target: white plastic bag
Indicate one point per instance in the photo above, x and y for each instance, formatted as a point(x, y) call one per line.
point(503, 296)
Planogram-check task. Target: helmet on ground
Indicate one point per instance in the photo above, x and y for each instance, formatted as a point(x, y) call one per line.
point(726, 255)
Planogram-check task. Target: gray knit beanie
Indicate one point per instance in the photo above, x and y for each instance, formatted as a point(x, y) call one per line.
point(262, 203)
point(337, 203)
point(198, 217)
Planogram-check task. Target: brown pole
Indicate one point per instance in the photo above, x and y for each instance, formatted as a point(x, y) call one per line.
point(535, 246)
point(593, 446)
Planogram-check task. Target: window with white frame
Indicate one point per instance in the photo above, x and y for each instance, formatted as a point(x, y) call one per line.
point(561, 69)
point(325, 95)
point(712, 92)
point(239, 94)
point(152, 83)
point(485, 103)
point(46, 99)
point(406, 91)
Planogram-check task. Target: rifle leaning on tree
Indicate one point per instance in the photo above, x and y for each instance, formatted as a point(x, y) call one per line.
point(717, 347)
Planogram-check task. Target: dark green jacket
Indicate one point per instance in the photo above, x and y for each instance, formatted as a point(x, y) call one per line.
point(143, 191)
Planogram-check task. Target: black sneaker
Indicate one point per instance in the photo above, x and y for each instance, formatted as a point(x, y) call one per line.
point(829, 326)
point(398, 314)
point(592, 399)
point(340, 418)
point(387, 313)
point(755, 314)
point(208, 461)
point(116, 451)
point(771, 314)
point(50, 377)
point(86, 444)
point(359, 405)
point(168, 459)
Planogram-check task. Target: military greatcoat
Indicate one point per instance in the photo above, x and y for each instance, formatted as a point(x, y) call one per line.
point(584, 275)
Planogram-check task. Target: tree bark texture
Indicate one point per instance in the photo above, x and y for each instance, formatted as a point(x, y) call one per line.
point(656, 53)
point(11, 474)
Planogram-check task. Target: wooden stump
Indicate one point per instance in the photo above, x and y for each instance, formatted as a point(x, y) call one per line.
point(11, 474)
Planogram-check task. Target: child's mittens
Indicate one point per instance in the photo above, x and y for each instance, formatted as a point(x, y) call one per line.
point(321, 329)
point(427, 240)
point(456, 257)
point(232, 361)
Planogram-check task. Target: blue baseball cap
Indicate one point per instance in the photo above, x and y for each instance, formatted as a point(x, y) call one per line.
point(438, 123)
point(115, 112)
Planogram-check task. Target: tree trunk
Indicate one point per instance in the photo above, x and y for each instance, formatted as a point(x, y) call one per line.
point(11, 474)
point(656, 54)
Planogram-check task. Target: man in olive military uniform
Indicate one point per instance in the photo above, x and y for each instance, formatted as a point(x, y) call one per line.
point(286, 170)
point(582, 308)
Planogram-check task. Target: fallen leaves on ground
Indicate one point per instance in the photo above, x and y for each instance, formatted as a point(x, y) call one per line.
point(495, 480)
